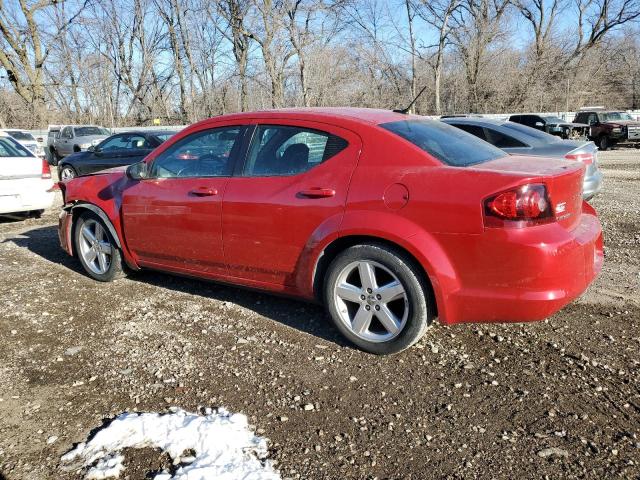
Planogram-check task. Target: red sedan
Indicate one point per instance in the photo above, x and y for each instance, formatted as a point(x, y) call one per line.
point(388, 219)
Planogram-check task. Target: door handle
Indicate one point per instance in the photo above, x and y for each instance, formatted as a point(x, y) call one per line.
point(204, 192)
point(317, 193)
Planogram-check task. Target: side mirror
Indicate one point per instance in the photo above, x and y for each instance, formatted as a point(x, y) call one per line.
point(137, 171)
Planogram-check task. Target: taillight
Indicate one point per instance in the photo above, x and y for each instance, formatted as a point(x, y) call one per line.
point(46, 171)
point(586, 158)
point(519, 207)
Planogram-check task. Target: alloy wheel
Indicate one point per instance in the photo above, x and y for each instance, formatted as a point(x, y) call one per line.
point(371, 302)
point(95, 247)
point(67, 173)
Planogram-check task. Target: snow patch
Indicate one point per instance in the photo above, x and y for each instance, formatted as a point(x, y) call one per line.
point(225, 448)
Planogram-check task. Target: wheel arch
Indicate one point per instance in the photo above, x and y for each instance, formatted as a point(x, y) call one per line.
point(78, 208)
point(426, 269)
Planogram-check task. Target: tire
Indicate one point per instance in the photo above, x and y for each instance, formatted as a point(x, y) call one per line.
point(366, 321)
point(56, 156)
point(91, 238)
point(67, 172)
point(603, 143)
point(76, 149)
point(36, 213)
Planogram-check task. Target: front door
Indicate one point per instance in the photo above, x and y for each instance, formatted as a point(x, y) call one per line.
point(172, 219)
point(295, 179)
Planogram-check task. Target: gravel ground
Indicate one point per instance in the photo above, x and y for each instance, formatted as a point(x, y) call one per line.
point(558, 398)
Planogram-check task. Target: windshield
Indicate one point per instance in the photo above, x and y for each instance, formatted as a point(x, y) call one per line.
point(18, 135)
point(612, 116)
point(554, 120)
point(531, 132)
point(448, 144)
point(10, 148)
point(90, 131)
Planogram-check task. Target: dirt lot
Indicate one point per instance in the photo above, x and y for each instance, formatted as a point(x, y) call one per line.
point(559, 398)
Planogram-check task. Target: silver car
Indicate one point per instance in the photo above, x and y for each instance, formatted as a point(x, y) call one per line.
point(77, 138)
point(517, 139)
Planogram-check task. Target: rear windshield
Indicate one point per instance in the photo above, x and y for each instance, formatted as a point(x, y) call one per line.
point(10, 148)
point(448, 144)
point(89, 131)
point(18, 135)
point(531, 132)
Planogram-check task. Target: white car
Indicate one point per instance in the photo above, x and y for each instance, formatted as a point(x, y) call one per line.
point(26, 140)
point(25, 179)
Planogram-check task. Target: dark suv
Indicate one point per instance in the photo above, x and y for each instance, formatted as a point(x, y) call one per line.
point(610, 127)
point(552, 125)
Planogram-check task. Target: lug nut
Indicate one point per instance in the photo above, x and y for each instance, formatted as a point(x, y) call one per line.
point(377, 307)
point(362, 297)
point(367, 307)
point(379, 297)
point(369, 290)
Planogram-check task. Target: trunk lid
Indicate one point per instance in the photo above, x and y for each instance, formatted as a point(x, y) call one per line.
point(563, 179)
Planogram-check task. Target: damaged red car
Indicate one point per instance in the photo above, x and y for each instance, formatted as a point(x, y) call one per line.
point(390, 220)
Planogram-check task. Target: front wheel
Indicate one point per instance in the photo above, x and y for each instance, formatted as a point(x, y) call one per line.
point(96, 248)
point(603, 143)
point(377, 298)
point(67, 173)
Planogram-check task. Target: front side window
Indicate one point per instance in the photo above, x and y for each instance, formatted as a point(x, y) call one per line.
point(448, 144)
point(202, 154)
point(278, 150)
point(123, 142)
point(10, 148)
point(67, 132)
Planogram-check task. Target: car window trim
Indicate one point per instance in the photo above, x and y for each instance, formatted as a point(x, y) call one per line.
point(233, 159)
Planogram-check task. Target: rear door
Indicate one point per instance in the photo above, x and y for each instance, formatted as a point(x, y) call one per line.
point(295, 179)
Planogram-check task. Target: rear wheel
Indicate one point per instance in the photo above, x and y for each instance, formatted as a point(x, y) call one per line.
point(96, 249)
point(377, 299)
point(67, 172)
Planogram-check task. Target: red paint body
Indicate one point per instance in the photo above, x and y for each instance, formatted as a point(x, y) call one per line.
point(269, 232)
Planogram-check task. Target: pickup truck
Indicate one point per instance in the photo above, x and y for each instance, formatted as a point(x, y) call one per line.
point(76, 138)
point(610, 127)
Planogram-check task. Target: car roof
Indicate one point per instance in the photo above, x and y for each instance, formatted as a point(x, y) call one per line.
point(369, 116)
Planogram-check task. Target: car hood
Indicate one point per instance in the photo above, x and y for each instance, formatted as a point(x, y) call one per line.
point(568, 124)
point(626, 123)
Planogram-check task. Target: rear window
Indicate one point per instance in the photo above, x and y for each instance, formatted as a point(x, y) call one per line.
point(10, 148)
point(90, 131)
point(448, 144)
point(18, 135)
point(532, 132)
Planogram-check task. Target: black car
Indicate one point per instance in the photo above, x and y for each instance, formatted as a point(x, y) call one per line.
point(552, 125)
point(117, 150)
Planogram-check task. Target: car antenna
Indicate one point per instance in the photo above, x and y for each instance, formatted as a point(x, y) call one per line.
point(406, 110)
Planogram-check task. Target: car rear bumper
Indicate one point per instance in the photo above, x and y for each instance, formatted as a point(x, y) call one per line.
point(592, 185)
point(34, 195)
point(527, 274)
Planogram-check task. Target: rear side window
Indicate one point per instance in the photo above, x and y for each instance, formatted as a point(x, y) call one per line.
point(448, 144)
point(10, 148)
point(278, 150)
point(501, 140)
point(472, 129)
